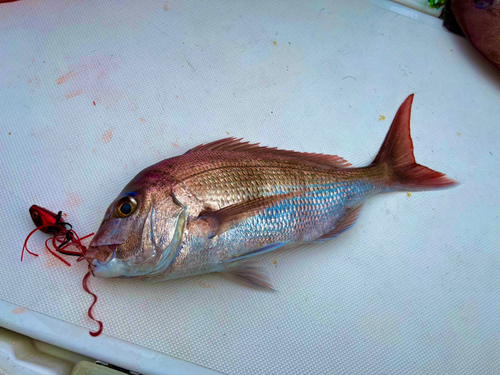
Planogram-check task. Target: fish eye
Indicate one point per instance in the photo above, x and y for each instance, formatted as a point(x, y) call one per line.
point(34, 215)
point(126, 207)
point(482, 4)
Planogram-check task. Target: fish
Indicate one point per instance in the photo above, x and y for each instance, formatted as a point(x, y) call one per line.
point(480, 22)
point(219, 205)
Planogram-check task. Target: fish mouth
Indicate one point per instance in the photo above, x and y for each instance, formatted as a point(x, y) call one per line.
point(103, 253)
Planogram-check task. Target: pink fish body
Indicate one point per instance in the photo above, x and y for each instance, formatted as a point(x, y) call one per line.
point(480, 22)
point(219, 204)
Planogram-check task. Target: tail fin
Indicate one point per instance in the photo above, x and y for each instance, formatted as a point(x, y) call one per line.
point(397, 153)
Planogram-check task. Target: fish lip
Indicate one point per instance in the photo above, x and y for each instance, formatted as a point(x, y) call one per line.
point(95, 262)
point(101, 253)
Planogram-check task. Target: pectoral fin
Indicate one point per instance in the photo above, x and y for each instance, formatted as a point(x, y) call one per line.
point(262, 250)
point(222, 220)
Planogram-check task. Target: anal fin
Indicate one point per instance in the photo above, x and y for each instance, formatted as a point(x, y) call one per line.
point(346, 223)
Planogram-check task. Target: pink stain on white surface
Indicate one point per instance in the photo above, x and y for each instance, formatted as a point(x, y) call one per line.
point(54, 18)
point(66, 77)
point(156, 153)
point(159, 128)
point(94, 74)
point(72, 94)
point(19, 310)
point(107, 136)
point(132, 106)
point(176, 143)
point(74, 200)
point(50, 261)
point(35, 81)
point(34, 84)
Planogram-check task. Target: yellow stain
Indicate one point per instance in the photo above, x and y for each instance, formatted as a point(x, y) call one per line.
point(408, 194)
point(227, 133)
point(381, 118)
point(459, 133)
point(275, 262)
point(275, 43)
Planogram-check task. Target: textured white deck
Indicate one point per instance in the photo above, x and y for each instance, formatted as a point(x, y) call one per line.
point(92, 92)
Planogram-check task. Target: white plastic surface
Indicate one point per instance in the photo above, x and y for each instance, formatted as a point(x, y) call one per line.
point(408, 11)
point(76, 339)
point(21, 355)
point(422, 6)
point(414, 287)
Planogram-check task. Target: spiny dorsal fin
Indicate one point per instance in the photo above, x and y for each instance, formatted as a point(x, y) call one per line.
point(345, 224)
point(236, 144)
point(222, 220)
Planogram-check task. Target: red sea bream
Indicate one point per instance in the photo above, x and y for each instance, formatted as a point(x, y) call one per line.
point(219, 204)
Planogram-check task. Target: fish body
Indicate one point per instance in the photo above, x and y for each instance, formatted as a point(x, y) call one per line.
point(221, 203)
point(480, 22)
point(304, 203)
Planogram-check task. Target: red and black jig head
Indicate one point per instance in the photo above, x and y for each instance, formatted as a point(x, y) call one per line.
point(62, 233)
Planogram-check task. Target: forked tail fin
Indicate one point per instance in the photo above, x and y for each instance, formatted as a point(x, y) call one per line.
point(397, 153)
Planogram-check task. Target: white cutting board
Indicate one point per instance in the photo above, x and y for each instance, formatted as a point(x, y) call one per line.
point(92, 92)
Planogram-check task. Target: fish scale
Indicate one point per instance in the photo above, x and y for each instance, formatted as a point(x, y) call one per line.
point(220, 204)
point(297, 220)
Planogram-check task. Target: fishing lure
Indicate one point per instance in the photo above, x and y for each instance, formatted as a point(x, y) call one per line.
point(63, 237)
point(89, 312)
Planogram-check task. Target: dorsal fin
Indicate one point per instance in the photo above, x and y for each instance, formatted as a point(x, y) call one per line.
point(236, 144)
